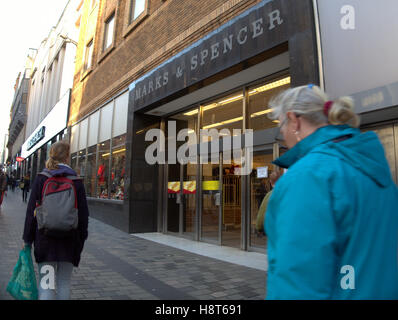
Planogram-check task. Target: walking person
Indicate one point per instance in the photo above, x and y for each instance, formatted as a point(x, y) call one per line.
point(12, 182)
point(55, 250)
point(3, 184)
point(332, 221)
point(273, 178)
point(25, 187)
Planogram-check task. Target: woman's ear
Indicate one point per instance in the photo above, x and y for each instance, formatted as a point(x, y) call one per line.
point(294, 121)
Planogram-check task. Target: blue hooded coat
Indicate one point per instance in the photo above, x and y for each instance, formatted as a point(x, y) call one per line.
point(332, 220)
point(48, 249)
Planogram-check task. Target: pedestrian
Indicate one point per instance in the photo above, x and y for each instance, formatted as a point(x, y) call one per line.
point(60, 254)
point(332, 221)
point(25, 186)
point(273, 178)
point(3, 184)
point(12, 182)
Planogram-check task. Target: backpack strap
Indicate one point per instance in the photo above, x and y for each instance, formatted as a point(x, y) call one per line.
point(74, 178)
point(46, 174)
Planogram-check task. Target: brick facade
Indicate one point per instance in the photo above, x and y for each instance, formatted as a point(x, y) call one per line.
point(165, 29)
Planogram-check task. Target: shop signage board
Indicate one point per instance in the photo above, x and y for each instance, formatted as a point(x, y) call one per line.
point(256, 30)
point(262, 172)
point(38, 136)
point(211, 185)
point(52, 124)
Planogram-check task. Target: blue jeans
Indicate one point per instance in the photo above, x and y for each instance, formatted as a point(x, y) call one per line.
point(54, 280)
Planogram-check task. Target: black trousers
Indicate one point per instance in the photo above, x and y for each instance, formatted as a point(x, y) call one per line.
point(25, 195)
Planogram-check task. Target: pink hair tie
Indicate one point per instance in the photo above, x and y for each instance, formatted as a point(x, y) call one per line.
point(326, 107)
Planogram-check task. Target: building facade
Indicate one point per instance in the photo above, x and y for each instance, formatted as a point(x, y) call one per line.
point(144, 64)
point(16, 130)
point(146, 70)
point(50, 85)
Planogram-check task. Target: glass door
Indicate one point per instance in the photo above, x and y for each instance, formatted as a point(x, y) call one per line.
point(211, 203)
point(181, 176)
point(188, 204)
point(260, 186)
point(173, 198)
point(231, 205)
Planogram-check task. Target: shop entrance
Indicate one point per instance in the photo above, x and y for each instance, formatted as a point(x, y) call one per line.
point(181, 199)
point(221, 214)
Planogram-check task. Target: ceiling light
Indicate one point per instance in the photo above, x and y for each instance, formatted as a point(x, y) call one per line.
point(191, 113)
point(271, 86)
point(260, 113)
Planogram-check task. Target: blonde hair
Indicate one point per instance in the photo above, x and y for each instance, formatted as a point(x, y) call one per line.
point(309, 102)
point(59, 153)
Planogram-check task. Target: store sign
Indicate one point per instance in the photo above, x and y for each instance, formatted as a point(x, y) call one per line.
point(262, 172)
point(20, 159)
point(211, 185)
point(52, 124)
point(38, 136)
point(256, 30)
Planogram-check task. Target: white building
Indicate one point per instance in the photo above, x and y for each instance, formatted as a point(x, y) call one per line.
point(50, 86)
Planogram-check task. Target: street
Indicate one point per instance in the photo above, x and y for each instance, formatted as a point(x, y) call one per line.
point(119, 266)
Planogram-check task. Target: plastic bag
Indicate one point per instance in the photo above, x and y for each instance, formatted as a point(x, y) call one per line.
point(23, 285)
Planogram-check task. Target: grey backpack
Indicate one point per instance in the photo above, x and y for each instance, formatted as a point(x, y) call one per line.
point(57, 213)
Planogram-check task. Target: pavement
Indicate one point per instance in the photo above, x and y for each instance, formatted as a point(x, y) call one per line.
point(119, 266)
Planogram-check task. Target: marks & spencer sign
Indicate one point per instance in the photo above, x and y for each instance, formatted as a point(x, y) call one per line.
point(254, 31)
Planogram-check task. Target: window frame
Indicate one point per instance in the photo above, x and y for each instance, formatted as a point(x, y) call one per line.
point(107, 23)
point(105, 51)
point(88, 56)
point(130, 23)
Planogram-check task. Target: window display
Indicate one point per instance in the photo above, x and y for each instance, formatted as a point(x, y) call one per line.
point(103, 169)
point(90, 171)
point(118, 167)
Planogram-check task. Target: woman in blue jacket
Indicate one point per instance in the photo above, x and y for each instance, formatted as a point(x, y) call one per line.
point(332, 220)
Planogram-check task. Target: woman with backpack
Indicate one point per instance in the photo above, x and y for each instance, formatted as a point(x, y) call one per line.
point(57, 248)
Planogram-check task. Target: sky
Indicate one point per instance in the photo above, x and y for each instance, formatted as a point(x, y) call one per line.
point(24, 24)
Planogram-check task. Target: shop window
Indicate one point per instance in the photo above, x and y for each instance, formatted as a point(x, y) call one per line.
point(89, 179)
point(259, 98)
point(103, 169)
point(81, 167)
point(48, 150)
point(83, 134)
point(73, 162)
point(118, 167)
point(74, 138)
